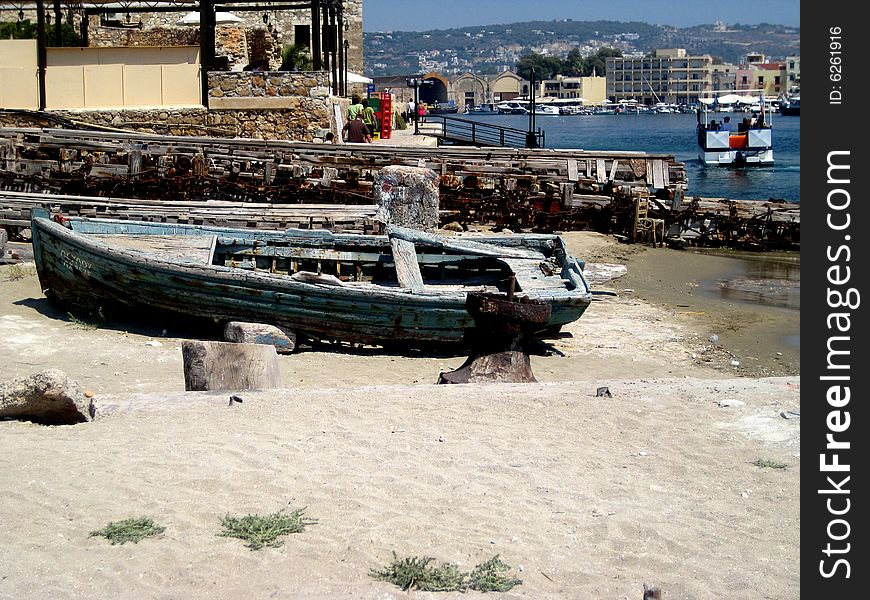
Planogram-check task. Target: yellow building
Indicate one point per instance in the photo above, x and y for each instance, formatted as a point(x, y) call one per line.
point(593, 90)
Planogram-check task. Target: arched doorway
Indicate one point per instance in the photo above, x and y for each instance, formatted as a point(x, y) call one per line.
point(433, 89)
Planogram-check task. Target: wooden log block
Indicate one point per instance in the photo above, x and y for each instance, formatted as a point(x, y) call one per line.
point(228, 366)
point(260, 333)
point(407, 196)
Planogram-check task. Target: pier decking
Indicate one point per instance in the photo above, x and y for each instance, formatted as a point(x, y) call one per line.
point(283, 183)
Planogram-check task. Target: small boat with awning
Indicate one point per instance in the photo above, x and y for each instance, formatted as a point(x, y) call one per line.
point(732, 140)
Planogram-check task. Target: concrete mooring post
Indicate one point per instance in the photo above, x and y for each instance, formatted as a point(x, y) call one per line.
point(407, 197)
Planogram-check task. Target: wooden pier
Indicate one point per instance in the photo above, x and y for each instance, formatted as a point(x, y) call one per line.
point(632, 193)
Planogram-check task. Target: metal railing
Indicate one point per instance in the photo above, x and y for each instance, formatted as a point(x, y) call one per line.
point(465, 131)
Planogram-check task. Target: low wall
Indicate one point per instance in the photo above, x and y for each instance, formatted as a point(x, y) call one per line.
point(260, 105)
point(223, 85)
point(305, 123)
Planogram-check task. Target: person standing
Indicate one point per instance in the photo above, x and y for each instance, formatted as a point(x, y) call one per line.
point(355, 108)
point(356, 131)
point(412, 111)
point(369, 117)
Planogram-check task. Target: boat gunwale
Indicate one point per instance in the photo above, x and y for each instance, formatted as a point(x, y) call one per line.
point(277, 282)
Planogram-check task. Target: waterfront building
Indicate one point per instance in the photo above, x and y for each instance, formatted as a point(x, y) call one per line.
point(724, 77)
point(668, 75)
point(793, 73)
point(769, 78)
point(593, 90)
point(507, 86)
point(471, 90)
point(463, 90)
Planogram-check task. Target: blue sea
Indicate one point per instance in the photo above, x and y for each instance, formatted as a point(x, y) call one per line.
point(675, 134)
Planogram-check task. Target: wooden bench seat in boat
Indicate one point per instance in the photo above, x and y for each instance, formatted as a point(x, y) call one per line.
point(197, 249)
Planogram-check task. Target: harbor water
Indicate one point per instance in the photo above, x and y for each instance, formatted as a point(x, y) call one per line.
point(768, 281)
point(675, 134)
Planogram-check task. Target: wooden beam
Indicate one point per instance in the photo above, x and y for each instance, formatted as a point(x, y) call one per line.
point(40, 50)
point(316, 46)
point(206, 44)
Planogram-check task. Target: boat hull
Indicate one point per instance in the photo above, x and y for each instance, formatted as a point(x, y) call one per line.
point(749, 148)
point(78, 271)
point(736, 158)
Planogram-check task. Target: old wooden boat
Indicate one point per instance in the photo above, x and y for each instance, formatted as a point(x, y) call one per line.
point(406, 288)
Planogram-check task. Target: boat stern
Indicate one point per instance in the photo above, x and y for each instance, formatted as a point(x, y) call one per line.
point(747, 148)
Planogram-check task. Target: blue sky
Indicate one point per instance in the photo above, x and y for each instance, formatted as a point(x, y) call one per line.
point(411, 15)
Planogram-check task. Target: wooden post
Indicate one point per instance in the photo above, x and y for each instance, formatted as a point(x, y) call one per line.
point(40, 50)
point(58, 25)
point(206, 44)
point(316, 51)
point(229, 366)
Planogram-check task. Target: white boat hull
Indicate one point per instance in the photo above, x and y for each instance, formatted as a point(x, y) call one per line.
point(722, 148)
point(729, 158)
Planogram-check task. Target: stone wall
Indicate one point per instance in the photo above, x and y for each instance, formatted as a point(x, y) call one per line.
point(305, 120)
point(253, 84)
point(102, 37)
point(159, 28)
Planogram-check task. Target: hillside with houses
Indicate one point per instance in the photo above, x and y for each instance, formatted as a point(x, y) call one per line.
point(496, 48)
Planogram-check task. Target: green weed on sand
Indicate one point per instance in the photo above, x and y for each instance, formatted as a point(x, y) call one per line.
point(263, 531)
point(417, 573)
point(129, 530)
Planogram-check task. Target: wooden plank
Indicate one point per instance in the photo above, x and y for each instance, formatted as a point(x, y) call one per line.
point(567, 193)
point(573, 174)
point(189, 248)
point(600, 171)
point(613, 168)
point(407, 267)
point(658, 175)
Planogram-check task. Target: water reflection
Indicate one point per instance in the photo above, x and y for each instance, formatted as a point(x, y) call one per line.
point(771, 279)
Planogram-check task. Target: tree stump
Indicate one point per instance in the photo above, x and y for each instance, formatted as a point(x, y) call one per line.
point(229, 366)
point(511, 366)
point(503, 324)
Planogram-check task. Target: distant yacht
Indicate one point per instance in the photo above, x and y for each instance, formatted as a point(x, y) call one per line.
point(790, 106)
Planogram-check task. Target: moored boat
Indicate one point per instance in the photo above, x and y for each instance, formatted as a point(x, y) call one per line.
point(512, 107)
point(790, 106)
point(407, 288)
point(745, 142)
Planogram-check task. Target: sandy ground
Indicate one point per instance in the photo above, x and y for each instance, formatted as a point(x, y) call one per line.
point(586, 497)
